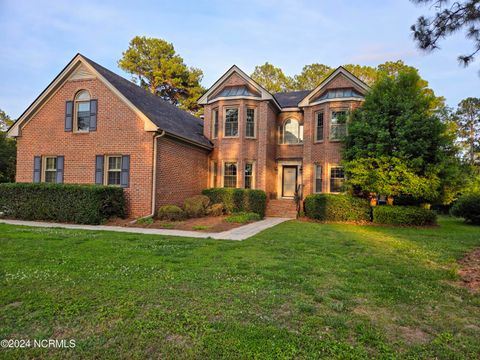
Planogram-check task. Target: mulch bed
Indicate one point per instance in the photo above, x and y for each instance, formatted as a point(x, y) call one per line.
point(470, 270)
point(204, 224)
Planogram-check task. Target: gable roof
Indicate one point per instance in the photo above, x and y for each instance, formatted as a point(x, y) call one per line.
point(157, 113)
point(264, 94)
point(340, 70)
point(290, 98)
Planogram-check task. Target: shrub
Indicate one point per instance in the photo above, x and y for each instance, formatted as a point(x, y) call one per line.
point(171, 213)
point(215, 210)
point(403, 215)
point(337, 207)
point(238, 200)
point(81, 204)
point(196, 206)
point(243, 217)
point(145, 221)
point(468, 207)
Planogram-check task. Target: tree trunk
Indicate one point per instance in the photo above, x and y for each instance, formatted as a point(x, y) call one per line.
point(390, 200)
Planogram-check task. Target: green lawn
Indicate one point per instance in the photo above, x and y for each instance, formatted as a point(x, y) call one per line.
point(299, 290)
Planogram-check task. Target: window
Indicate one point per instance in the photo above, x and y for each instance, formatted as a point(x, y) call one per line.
point(338, 125)
point(337, 178)
point(214, 173)
point(114, 169)
point(340, 93)
point(248, 175)
point(231, 122)
point(235, 91)
point(319, 127)
point(318, 178)
point(82, 111)
point(230, 175)
point(291, 132)
point(215, 124)
point(250, 124)
point(50, 171)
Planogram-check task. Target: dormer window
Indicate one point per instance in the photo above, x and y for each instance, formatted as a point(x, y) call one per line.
point(230, 91)
point(340, 93)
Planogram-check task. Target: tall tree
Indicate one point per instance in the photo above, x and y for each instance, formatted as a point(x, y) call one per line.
point(155, 65)
point(468, 118)
point(367, 74)
point(311, 76)
point(5, 121)
point(397, 123)
point(272, 78)
point(449, 19)
point(8, 150)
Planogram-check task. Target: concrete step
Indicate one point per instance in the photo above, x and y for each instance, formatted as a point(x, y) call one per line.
point(281, 208)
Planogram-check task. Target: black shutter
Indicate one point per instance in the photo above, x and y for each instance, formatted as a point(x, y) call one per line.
point(93, 115)
point(60, 166)
point(99, 170)
point(37, 169)
point(125, 174)
point(69, 116)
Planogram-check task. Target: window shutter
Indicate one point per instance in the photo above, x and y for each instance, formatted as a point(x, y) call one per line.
point(125, 174)
point(93, 115)
point(99, 170)
point(37, 169)
point(60, 161)
point(68, 116)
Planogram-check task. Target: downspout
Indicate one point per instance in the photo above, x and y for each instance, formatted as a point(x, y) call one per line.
point(154, 179)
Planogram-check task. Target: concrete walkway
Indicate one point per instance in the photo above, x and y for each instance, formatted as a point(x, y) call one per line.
point(239, 233)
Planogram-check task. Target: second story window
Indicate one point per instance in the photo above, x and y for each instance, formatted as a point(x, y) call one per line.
point(231, 122)
point(338, 125)
point(319, 127)
point(215, 124)
point(82, 111)
point(291, 132)
point(250, 123)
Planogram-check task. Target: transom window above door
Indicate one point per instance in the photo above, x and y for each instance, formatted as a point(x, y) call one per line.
point(291, 132)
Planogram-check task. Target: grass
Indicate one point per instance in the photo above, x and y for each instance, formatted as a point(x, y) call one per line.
point(243, 217)
point(201, 227)
point(298, 290)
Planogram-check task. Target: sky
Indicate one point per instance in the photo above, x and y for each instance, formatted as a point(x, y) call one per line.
point(38, 38)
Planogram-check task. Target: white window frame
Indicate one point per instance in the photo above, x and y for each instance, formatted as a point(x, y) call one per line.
point(281, 135)
point(345, 110)
point(315, 189)
point(215, 112)
point(253, 178)
point(44, 169)
point(225, 121)
point(76, 104)
point(316, 140)
point(330, 167)
point(254, 122)
point(107, 169)
point(223, 172)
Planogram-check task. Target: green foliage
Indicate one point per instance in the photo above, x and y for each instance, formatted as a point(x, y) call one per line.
point(145, 221)
point(311, 76)
point(389, 176)
point(403, 215)
point(238, 200)
point(196, 206)
point(215, 210)
point(468, 207)
point(468, 121)
point(81, 204)
point(367, 74)
point(337, 207)
point(5, 121)
point(171, 213)
point(243, 217)
point(272, 78)
point(156, 67)
point(8, 155)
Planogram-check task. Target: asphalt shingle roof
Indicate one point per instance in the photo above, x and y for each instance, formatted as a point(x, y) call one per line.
point(290, 98)
point(166, 116)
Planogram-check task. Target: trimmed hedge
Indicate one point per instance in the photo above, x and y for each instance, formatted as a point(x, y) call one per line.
point(238, 200)
point(337, 207)
point(468, 207)
point(81, 204)
point(171, 213)
point(403, 215)
point(196, 206)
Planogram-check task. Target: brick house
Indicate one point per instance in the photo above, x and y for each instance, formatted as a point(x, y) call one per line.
point(280, 143)
point(93, 126)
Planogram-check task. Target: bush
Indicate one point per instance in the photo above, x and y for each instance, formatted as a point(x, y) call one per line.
point(81, 204)
point(403, 215)
point(145, 221)
point(196, 206)
point(171, 213)
point(238, 200)
point(468, 207)
point(215, 210)
point(243, 217)
point(337, 207)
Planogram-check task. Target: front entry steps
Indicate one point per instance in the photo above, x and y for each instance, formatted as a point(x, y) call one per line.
point(284, 208)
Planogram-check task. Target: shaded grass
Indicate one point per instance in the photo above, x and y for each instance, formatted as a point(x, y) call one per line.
point(298, 290)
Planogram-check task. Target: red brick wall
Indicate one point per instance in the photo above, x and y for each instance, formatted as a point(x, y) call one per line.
point(119, 131)
point(182, 171)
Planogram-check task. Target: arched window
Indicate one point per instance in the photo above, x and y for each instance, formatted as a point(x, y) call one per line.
point(291, 132)
point(82, 111)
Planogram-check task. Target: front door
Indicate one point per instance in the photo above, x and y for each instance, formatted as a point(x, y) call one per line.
point(289, 181)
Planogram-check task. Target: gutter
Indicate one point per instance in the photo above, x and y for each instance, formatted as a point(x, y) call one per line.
point(154, 178)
